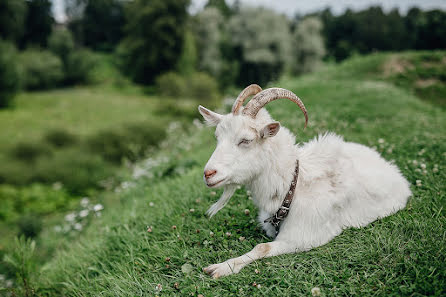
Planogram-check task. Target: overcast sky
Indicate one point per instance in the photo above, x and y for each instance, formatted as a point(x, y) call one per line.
point(291, 7)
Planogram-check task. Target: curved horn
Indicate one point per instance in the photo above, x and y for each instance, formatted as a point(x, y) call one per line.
point(268, 95)
point(248, 91)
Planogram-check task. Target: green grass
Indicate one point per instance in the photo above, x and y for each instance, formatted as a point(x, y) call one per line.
point(404, 254)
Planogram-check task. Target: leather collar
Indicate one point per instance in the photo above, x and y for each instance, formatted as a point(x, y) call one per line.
point(284, 209)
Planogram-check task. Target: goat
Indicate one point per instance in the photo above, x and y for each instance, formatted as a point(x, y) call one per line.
point(339, 184)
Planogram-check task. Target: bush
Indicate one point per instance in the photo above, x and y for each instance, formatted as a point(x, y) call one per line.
point(198, 86)
point(79, 66)
point(40, 69)
point(171, 84)
point(9, 75)
point(61, 43)
point(29, 226)
point(60, 138)
point(128, 143)
point(29, 151)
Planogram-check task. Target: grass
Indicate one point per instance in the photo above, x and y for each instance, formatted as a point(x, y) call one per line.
point(404, 254)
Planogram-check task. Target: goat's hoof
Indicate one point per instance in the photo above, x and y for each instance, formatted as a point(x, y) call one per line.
point(219, 270)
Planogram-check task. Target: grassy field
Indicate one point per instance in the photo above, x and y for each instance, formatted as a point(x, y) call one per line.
point(404, 254)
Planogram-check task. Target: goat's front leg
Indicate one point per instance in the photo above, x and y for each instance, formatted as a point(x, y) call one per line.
point(262, 250)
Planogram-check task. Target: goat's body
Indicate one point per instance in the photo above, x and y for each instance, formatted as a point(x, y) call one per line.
point(341, 184)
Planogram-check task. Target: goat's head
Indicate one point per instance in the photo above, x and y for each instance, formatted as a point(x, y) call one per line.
point(242, 136)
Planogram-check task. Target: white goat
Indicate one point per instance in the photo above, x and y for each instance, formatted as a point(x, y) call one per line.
point(340, 184)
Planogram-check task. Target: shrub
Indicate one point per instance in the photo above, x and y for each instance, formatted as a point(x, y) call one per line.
point(29, 151)
point(61, 43)
point(60, 138)
point(79, 66)
point(129, 143)
point(171, 84)
point(9, 75)
point(40, 69)
point(29, 226)
point(198, 86)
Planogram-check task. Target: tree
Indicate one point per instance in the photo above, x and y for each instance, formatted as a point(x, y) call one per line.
point(12, 19)
point(102, 24)
point(262, 42)
point(309, 45)
point(9, 74)
point(38, 24)
point(221, 5)
point(154, 38)
point(207, 26)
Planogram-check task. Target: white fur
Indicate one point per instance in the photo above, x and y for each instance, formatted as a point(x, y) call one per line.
point(340, 185)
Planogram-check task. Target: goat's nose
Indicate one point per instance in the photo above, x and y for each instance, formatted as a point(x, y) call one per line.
point(209, 173)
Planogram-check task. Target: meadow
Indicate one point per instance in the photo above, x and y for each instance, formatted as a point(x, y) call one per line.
point(153, 237)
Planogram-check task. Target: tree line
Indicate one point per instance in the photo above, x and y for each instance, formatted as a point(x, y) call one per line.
point(233, 44)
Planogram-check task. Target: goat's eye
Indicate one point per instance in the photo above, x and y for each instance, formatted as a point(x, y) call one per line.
point(244, 141)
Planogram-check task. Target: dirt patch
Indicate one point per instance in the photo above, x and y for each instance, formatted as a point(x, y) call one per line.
point(396, 65)
point(424, 83)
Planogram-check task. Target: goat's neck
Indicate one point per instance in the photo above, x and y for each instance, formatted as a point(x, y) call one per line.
point(270, 186)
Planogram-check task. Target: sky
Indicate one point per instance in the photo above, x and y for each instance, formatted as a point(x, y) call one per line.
point(292, 7)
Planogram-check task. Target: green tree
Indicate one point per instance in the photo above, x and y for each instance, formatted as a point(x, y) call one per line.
point(261, 41)
point(221, 6)
point(308, 44)
point(102, 24)
point(154, 36)
point(38, 24)
point(12, 19)
point(9, 74)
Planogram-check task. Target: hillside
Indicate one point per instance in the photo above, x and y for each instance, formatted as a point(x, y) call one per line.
point(399, 255)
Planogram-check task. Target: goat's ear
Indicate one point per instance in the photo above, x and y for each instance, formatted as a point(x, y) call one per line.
point(270, 130)
point(212, 118)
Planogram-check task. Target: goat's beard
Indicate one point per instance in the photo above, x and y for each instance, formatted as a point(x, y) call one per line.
point(224, 198)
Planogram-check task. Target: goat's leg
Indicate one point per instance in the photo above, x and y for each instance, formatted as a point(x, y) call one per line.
point(262, 250)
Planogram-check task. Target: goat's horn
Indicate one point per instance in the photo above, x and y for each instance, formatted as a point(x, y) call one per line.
point(248, 91)
point(268, 95)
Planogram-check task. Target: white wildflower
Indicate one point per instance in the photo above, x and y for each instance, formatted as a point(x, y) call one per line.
point(151, 204)
point(9, 283)
point(78, 226)
point(418, 183)
point(246, 211)
point(98, 207)
point(2, 277)
point(259, 286)
point(414, 162)
point(213, 193)
point(316, 291)
point(57, 228)
point(83, 213)
point(70, 217)
point(85, 201)
point(228, 234)
point(159, 287)
point(241, 238)
point(192, 210)
point(423, 166)
point(381, 140)
point(211, 233)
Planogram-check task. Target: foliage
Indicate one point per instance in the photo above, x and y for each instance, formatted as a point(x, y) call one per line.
point(29, 226)
point(266, 54)
point(154, 37)
point(22, 262)
point(40, 69)
point(60, 138)
point(30, 201)
point(28, 152)
point(9, 73)
point(372, 29)
point(309, 45)
point(187, 63)
point(207, 27)
point(221, 5)
point(199, 86)
point(79, 66)
point(102, 24)
point(12, 19)
point(38, 24)
point(61, 43)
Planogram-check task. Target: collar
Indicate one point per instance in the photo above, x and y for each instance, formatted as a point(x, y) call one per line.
point(284, 209)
